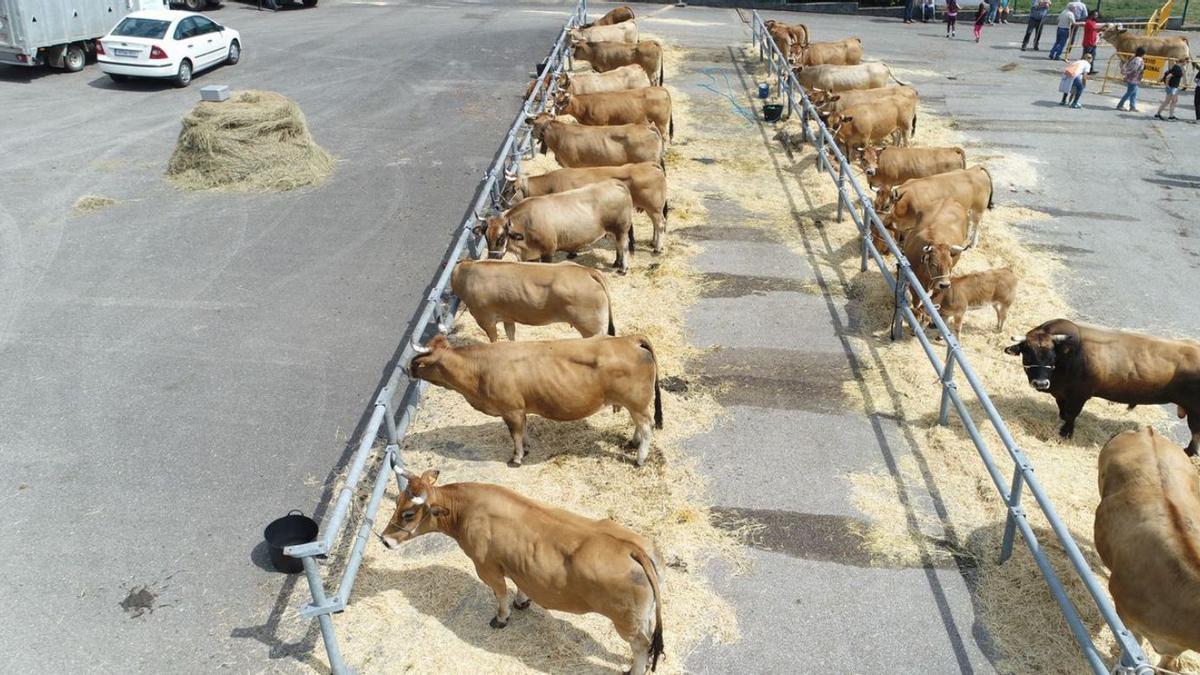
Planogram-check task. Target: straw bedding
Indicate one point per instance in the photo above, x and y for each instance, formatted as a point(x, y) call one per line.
point(91, 203)
point(422, 608)
point(257, 141)
point(1026, 628)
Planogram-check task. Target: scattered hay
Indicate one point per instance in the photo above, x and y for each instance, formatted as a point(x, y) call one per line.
point(423, 608)
point(1008, 67)
point(91, 204)
point(257, 141)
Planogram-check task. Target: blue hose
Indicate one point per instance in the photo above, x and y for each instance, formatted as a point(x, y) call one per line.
point(728, 93)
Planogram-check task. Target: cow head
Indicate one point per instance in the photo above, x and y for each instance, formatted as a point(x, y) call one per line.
point(870, 159)
point(498, 232)
point(538, 124)
point(1113, 33)
point(562, 99)
point(516, 187)
point(417, 509)
point(427, 361)
point(1044, 349)
point(938, 261)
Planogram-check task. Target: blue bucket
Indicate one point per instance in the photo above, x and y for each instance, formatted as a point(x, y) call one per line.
point(764, 90)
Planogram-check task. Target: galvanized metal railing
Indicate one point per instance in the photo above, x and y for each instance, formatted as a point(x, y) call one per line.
point(437, 312)
point(1132, 660)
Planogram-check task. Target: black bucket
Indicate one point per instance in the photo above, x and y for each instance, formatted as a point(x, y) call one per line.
point(772, 112)
point(290, 530)
point(541, 68)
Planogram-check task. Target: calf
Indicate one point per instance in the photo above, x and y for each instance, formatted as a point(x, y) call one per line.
point(562, 380)
point(970, 187)
point(626, 31)
point(648, 104)
point(891, 166)
point(580, 145)
point(560, 560)
point(619, 79)
point(847, 52)
point(842, 78)
point(995, 287)
point(569, 221)
point(533, 294)
point(646, 182)
point(1074, 362)
point(606, 56)
point(1146, 534)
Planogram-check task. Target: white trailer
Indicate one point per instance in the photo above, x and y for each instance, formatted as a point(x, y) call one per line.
point(59, 33)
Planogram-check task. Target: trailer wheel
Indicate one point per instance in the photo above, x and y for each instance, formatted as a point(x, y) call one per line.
point(74, 58)
point(184, 77)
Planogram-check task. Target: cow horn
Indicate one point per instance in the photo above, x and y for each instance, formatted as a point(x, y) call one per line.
point(418, 349)
point(957, 249)
point(510, 176)
point(928, 248)
point(1060, 337)
point(418, 499)
point(1017, 338)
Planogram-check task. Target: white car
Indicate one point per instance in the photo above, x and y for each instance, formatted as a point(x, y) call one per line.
point(166, 44)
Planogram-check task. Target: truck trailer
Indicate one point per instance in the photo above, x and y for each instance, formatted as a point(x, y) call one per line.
point(60, 33)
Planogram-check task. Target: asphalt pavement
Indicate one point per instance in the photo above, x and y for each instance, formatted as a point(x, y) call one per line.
point(179, 368)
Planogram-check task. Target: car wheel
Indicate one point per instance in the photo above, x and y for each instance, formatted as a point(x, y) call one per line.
point(194, 5)
point(74, 59)
point(184, 77)
point(235, 53)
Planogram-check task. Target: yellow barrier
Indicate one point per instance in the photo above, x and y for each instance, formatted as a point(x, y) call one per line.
point(1151, 76)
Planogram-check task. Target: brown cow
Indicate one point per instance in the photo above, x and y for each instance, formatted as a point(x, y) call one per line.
point(569, 221)
point(1074, 362)
point(560, 560)
point(970, 187)
point(844, 78)
point(866, 124)
point(829, 102)
point(619, 79)
point(797, 31)
point(887, 167)
point(648, 104)
point(1174, 47)
point(1146, 533)
point(847, 52)
point(646, 182)
point(621, 32)
point(933, 247)
point(606, 56)
point(622, 13)
point(533, 294)
point(785, 40)
point(562, 380)
point(995, 287)
point(580, 145)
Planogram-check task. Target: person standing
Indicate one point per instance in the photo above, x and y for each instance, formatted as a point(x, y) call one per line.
point(1080, 12)
point(981, 15)
point(1074, 79)
point(1196, 96)
point(1003, 11)
point(1037, 14)
point(927, 8)
point(1091, 34)
point(951, 17)
point(1173, 78)
point(1066, 19)
point(908, 10)
point(1132, 70)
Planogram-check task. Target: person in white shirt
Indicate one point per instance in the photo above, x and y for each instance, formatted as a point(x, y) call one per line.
point(1074, 79)
point(1066, 19)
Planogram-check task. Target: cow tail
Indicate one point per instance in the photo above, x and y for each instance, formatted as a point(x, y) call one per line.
point(893, 76)
point(661, 68)
point(658, 416)
point(632, 239)
point(914, 126)
point(666, 207)
point(599, 278)
point(671, 126)
point(656, 641)
point(991, 187)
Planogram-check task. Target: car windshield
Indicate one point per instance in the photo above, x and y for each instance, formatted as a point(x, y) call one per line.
point(142, 28)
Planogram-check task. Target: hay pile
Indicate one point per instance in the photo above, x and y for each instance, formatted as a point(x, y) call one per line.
point(1015, 606)
point(257, 141)
point(91, 203)
point(423, 608)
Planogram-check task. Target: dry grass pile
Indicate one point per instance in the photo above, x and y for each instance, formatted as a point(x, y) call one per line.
point(422, 608)
point(91, 204)
point(940, 505)
point(257, 141)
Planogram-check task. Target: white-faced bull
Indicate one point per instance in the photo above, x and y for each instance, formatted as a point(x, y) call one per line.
point(1074, 362)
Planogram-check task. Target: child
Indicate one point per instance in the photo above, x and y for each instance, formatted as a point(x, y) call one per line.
point(1074, 79)
point(1173, 77)
point(981, 13)
point(951, 17)
point(1132, 71)
point(926, 11)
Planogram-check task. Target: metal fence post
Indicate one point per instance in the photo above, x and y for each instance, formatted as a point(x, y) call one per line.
point(947, 383)
point(336, 664)
point(841, 186)
point(821, 159)
point(1014, 509)
point(901, 292)
point(868, 228)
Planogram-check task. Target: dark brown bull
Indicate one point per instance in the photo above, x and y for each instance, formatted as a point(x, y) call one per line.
point(562, 380)
point(605, 56)
point(1074, 362)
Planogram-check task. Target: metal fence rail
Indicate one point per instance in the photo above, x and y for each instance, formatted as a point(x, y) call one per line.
point(436, 312)
point(852, 198)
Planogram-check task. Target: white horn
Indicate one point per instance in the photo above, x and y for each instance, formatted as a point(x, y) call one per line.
point(957, 249)
point(1060, 337)
point(418, 499)
point(1017, 338)
point(418, 349)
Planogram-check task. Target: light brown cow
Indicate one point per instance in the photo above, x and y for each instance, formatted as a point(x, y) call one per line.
point(785, 40)
point(970, 187)
point(829, 102)
point(648, 104)
point(1173, 47)
point(533, 294)
point(562, 380)
point(933, 247)
point(843, 78)
point(646, 182)
point(889, 166)
point(866, 124)
point(846, 52)
point(1146, 533)
point(606, 56)
point(798, 31)
point(618, 79)
point(569, 221)
point(995, 287)
point(560, 560)
point(579, 145)
point(626, 31)
point(614, 16)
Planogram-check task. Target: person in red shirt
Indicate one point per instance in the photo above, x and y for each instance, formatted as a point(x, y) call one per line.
point(1091, 33)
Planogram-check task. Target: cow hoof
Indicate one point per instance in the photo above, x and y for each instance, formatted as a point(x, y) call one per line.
point(522, 605)
point(657, 251)
point(497, 623)
point(622, 272)
point(514, 463)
